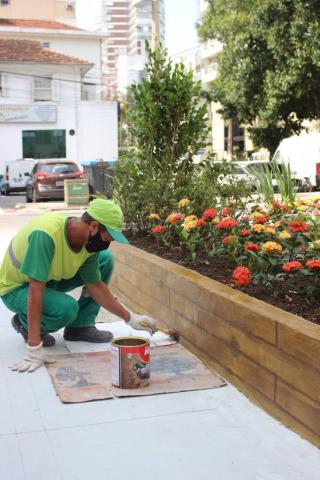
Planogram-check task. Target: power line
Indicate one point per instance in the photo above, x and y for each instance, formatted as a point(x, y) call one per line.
point(46, 77)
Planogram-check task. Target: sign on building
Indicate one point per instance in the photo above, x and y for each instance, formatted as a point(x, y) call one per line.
point(28, 113)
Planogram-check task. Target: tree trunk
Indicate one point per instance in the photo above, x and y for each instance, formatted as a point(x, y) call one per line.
point(230, 139)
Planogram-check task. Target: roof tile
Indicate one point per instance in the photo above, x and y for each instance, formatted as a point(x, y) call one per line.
point(14, 50)
point(44, 24)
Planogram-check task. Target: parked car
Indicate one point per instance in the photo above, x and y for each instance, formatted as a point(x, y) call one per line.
point(47, 179)
point(237, 172)
point(302, 184)
point(16, 175)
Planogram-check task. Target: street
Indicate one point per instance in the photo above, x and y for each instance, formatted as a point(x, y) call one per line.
point(12, 200)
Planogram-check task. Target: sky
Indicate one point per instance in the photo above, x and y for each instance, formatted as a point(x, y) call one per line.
point(181, 16)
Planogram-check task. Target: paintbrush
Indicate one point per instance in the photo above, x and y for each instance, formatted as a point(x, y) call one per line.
point(173, 334)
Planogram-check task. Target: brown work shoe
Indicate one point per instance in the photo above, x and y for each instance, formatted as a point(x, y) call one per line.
point(47, 340)
point(87, 334)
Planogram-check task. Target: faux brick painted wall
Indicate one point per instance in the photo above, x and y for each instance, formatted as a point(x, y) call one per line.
point(270, 355)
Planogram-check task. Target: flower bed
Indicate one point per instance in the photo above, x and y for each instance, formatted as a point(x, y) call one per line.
point(277, 248)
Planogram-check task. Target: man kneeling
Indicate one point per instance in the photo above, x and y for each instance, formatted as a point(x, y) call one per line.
point(54, 254)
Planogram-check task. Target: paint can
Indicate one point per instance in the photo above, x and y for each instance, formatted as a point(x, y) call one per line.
point(130, 362)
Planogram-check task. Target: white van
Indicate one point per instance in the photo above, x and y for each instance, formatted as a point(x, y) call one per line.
point(302, 152)
point(16, 175)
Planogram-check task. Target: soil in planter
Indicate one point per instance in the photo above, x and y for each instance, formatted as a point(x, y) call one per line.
point(221, 269)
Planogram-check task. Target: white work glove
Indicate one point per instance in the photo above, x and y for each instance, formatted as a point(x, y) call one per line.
point(33, 359)
point(142, 322)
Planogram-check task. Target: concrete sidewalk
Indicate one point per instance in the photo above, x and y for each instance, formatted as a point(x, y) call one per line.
point(213, 434)
point(206, 435)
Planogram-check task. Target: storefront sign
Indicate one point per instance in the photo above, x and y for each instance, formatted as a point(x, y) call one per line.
point(28, 113)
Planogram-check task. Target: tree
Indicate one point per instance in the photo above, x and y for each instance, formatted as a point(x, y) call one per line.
point(168, 125)
point(269, 69)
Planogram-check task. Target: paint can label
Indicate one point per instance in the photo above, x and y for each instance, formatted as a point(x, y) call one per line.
point(130, 362)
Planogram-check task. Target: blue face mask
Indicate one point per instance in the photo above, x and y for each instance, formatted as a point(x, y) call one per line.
point(96, 244)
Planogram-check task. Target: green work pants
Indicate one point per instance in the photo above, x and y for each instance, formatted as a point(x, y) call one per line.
point(60, 310)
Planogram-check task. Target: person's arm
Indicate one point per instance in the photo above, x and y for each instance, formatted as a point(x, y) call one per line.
point(102, 295)
point(35, 299)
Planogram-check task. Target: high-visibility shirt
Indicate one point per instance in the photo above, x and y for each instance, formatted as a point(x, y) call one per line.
point(40, 250)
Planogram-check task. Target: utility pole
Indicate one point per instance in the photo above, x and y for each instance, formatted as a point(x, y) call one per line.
point(155, 24)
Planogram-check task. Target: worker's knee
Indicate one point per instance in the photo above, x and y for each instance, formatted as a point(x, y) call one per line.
point(69, 310)
point(106, 264)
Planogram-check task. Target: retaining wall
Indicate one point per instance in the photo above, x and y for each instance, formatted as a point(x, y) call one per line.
point(272, 356)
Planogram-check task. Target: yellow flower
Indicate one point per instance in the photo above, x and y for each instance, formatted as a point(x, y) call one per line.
point(190, 218)
point(270, 230)
point(271, 247)
point(257, 214)
point(278, 224)
point(258, 228)
point(302, 208)
point(154, 216)
point(284, 235)
point(216, 220)
point(183, 203)
point(314, 245)
point(170, 218)
point(315, 199)
point(190, 225)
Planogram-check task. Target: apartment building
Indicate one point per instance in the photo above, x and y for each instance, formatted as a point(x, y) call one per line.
point(59, 10)
point(127, 25)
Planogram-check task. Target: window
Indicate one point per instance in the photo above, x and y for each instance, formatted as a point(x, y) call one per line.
point(42, 89)
point(88, 91)
point(58, 168)
point(46, 44)
point(5, 3)
point(44, 143)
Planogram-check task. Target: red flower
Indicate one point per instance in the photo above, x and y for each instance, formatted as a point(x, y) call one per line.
point(226, 212)
point(228, 239)
point(200, 223)
point(298, 226)
point(176, 216)
point(226, 223)
point(209, 214)
point(158, 229)
point(252, 246)
point(318, 232)
point(242, 276)
point(245, 233)
point(302, 247)
point(313, 264)
point(289, 266)
point(261, 219)
point(277, 205)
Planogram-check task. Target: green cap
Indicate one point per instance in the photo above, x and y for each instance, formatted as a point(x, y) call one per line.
point(110, 216)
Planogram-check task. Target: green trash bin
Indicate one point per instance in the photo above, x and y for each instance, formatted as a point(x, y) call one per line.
point(76, 192)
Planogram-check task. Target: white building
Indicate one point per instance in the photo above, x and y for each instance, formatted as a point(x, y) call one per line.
point(131, 69)
point(191, 58)
point(44, 110)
